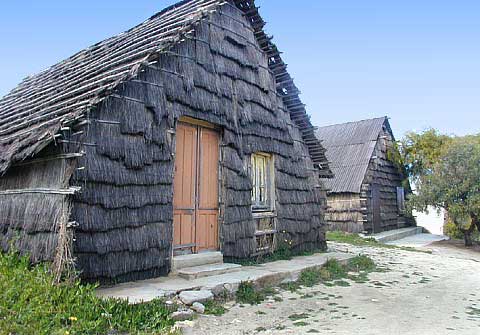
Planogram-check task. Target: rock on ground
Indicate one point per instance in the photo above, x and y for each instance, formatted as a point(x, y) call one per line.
point(182, 315)
point(198, 307)
point(189, 297)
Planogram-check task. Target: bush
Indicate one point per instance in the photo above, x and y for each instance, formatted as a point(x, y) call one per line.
point(309, 277)
point(361, 263)
point(247, 294)
point(30, 303)
point(213, 307)
point(452, 230)
point(336, 269)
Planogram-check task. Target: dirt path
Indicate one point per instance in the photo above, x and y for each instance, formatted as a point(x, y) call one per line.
point(419, 293)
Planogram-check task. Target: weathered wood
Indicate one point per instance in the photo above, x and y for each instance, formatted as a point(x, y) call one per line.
point(71, 190)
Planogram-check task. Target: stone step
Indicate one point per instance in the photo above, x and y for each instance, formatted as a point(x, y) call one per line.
point(207, 270)
point(396, 234)
point(188, 261)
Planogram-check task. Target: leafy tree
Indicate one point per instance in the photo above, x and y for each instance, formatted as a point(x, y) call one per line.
point(421, 151)
point(447, 173)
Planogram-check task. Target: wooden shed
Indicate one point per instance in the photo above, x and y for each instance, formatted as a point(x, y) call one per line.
point(367, 193)
point(183, 135)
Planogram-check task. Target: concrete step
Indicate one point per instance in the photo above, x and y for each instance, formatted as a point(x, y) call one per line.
point(396, 234)
point(419, 240)
point(188, 261)
point(208, 270)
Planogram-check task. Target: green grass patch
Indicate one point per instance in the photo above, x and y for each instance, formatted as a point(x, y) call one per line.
point(213, 307)
point(336, 269)
point(300, 324)
point(295, 317)
point(355, 239)
point(361, 263)
point(334, 273)
point(474, 312)
point(290, 286)
point(31, 303)
point(283, 253)
point(248, 294)
point(342, 283)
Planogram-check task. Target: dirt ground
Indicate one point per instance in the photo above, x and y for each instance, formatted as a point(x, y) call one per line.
point(418, 293)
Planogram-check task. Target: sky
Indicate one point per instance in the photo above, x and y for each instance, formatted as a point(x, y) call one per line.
point(417, 62)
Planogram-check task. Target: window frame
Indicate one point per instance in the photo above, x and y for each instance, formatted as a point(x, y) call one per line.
point(263, 182)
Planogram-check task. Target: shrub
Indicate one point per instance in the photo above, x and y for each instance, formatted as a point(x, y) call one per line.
point(361, 263)
point(247, 294)
point(30, 303)
point(453, 231)
point(213, 307)
point(336, 269)
point(309, 277)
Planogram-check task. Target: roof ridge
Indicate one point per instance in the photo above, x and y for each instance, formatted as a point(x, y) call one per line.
point(352, 122)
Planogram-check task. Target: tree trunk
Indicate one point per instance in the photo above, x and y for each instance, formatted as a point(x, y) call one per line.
point(476, 221)
point(467, 234)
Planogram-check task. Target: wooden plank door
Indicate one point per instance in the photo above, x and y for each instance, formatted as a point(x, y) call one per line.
point(184, 187)
point(376, 214)
point(207, 209)
point(196, 189)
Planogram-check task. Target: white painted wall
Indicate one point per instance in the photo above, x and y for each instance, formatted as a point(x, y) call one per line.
point(433, 221)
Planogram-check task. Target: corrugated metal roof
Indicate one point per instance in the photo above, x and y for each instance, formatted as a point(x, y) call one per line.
point(349, 149)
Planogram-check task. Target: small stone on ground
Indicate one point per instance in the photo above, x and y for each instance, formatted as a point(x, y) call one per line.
point(189, 297)
point(198, 307)
point(182, 315)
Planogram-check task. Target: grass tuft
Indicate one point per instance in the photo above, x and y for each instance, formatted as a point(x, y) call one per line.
point(213, 307)
point(355, 239)
point(333, 273)
point(283, 253)
point(247, 294)
point(361, 263)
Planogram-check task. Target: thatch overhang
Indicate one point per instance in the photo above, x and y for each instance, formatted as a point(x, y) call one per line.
point(287, 88)
point(32, 115)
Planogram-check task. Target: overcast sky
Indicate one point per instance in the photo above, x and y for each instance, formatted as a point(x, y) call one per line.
point(417, 61)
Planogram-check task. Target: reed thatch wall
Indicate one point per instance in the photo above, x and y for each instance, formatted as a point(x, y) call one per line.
point(383, 172)
point(345, 212)
point(217, 74)
point(34, 203)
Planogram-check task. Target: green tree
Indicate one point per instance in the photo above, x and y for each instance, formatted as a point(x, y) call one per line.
point(448, 176)
point(421, 151)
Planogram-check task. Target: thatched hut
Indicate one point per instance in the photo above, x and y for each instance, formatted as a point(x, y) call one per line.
point(367, 193)
point(182, 135)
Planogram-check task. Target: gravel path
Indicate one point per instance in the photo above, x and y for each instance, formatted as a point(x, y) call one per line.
point(418, 293)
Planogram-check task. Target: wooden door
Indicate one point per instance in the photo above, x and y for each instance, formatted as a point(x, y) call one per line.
point(184, 187)
point(376, 214)
point(207, 207)
point(196, 189)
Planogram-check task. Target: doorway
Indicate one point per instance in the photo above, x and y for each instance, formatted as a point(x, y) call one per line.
point(195, 200)
point(376, 212)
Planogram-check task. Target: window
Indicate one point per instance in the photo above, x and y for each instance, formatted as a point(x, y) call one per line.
point(262, 180)
point(401, 199)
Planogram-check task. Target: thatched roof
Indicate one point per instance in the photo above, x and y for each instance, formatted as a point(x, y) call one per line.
point(34, 112)
point(349, 149)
